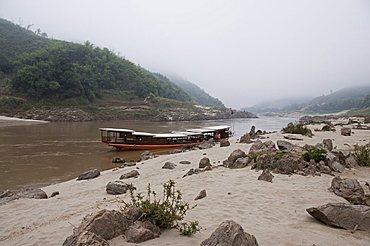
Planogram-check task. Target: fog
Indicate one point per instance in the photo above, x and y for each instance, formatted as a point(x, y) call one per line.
point(241, 52)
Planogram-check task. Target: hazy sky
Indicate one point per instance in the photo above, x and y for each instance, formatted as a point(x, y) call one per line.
point(240, 51)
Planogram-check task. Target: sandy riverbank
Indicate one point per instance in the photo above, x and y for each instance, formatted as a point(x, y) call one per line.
point(274, 212)
point(12, 121)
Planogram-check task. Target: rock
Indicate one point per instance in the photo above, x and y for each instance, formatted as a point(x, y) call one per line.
point(349, 189)
point(118, 160)
point(32, 193)
point(117, 187)
point(191, 172)
point(336, 167)
point(55, 193)
point(169, 165)
point(252, 131)
point(224, 142)
point(205, 145)
point(284, 145)
point(85, 238)
point(349, 217)
point(328, 143)
point(246, 138)
point(239, 163)
point(367, 120)
point(267, 146)
point(146, 155)
point(236, 154)
point(345, 131)
point(130, 164)
point(351, 161)
point(204, 162)
point(291, 137)
point(340, 156)
point(229, 233)
point(131, 174)
point(202, 194)
point(266, 176)
point(89, 174)
point(185, 162)
point(142, 231)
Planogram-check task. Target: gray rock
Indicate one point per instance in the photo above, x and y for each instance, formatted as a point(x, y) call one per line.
point(239, 163)
point(284, 145)
point(336, 167)
point(32, 193)
point(345, 131)
point(349, 189)
point(204, 162)
point(292, 137)
point(246, 138)
point(236, 154)
point(117, 187)
point(267, 146)
point(191, 172)
point(328, 143)
point(185, 162)
point(131, 174)
point(55, 193)
point(229, 233)
point(367, 120)
point(224, 142)
point(349, 217)
point(89, 174)
point(266, 175)
point(141, 232)
point(351, 161)
point(202, 194)
point(146, 155)
point(169, 165)
point(118, 160)
point(85, 238)
point(205, 145)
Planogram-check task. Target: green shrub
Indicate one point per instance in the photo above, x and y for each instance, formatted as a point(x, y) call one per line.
point(362, 154)
point(316, 154)
point(166, 212)
point(297, 129)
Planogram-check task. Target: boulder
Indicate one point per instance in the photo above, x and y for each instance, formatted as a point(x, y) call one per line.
point(146, 155)
point(266, 175)
point(224, 142)
point(131, 174)
point(229, 233)
point(206, 145)
point(239, 163)
point(142, 231)
point(117, 187)
point(267, 146)
point(32, 193)
point(169, 165)
point(336, 167)
point(185, 162)
point(202, 194)
point(85, 238)
point(252, 132)
point(284, 145)
point(328, 143)
point(351, 161)
point(204, 162)
point(246, 138)
point(89, 174)
point(236, 154)
point(191, 172)
point(349, 217)
point(349, 189)
point(345, 131)
point(55, 193)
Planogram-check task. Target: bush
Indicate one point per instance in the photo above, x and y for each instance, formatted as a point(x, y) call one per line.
point(166, 212)
point(297, 129)
point(362, 154)
point(316, 154)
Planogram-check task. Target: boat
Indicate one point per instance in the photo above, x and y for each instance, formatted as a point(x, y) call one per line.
point(127, 139)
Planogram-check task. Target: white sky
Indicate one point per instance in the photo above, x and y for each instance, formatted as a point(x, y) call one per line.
point(240, 51)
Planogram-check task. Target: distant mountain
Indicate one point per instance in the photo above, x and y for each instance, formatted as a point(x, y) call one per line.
point(279, 106)
point(197, 94)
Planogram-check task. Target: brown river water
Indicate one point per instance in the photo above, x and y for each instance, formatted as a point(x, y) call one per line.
point(42, 154)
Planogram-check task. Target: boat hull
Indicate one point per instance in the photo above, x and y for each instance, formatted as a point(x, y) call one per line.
point(120, 146)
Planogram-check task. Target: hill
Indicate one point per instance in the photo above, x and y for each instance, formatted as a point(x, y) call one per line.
point(197, 94)
point(283, 105)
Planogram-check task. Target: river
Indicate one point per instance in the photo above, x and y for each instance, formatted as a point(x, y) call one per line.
point(41, 154)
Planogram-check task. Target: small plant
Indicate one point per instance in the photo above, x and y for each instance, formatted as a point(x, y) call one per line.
point(166, 212)
point(254, 155)
point(297, 129)
point(316, 154)
point(188, 229)
point(362, 154)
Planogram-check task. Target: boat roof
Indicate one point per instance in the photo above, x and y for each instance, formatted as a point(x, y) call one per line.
point(188, 133)
point(143, 134)
point(116, 130)
point(199, 130)
point(218, 127)
point(169, 135)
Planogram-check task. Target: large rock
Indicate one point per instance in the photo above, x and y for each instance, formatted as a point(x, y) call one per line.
point(328, 143)
point(350, 217)
point(224, 142)
point(345, 131)
point(351, 161)
point(284, 145)
point(32, 193)
point(204, 162)
point(229, 233)
point(142, 231)
point(349, 189)
point(169, 165)
point(246, 138)
point(117, 187)
point(239, 163)
point(252, 132)
point(131, 174)
point(89, 174)
point(85, 238)
point(267, 146)
point(236, 154)
point(336, 167)
point(266, 175)
point(146, 155)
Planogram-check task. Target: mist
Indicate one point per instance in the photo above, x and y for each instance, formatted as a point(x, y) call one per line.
point(241, 52)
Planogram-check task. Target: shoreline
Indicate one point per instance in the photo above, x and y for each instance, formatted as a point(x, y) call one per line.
point(273, 212)
point(14, 121)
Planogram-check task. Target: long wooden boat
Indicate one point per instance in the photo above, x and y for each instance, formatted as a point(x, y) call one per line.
point(127, 139)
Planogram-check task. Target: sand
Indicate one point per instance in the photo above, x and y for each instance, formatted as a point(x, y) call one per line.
point(274, 212)
point(12, 121)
